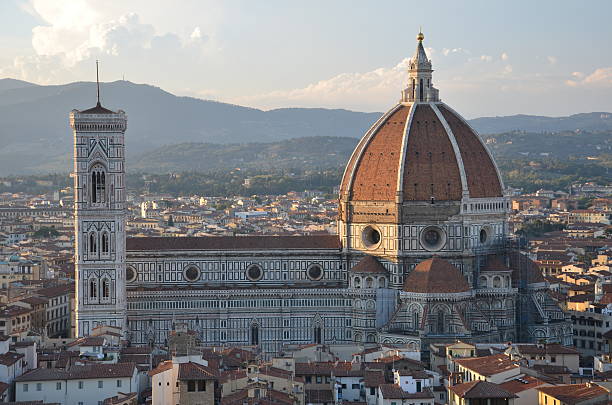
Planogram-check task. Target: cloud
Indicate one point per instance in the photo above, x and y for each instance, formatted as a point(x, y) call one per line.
point(504, 56)
point(72, 33)
point(486, 58)
point(449, 51)
point(552, 60)
point(601, 77)
point(377, 86)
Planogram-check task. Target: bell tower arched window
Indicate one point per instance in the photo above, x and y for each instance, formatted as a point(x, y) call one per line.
point(93, 288)
point(98, 185)
point(105, 288)
point(105, 242)
point(93, 243)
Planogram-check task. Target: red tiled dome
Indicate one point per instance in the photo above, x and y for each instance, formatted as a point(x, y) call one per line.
point(435, 275)
point(419, 151)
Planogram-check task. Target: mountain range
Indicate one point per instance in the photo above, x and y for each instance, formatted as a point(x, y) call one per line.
point(35, 136)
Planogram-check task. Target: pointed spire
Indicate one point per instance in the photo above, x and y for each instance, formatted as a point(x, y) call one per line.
point(420, 87)
point(97, 84)
point(420, 60)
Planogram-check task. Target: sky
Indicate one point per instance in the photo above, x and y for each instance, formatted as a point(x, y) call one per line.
point(490, 57)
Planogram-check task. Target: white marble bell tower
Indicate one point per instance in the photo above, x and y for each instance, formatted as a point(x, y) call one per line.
point(99, 217)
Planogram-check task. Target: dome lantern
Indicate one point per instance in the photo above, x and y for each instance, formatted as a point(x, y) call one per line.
point(420, 85)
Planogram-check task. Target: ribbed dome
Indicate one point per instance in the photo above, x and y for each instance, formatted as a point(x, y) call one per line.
point(418, 151)
point(437, 276)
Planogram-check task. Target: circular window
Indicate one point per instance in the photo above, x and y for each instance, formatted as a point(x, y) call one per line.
point(191, 273)
point(433, 238)
point(130, 274)
point(484, 236)
point(254, 273)
point(371, 236)
point(315, 272)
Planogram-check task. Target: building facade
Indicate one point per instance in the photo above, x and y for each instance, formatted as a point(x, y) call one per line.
point(421, 255)
point(99, 211)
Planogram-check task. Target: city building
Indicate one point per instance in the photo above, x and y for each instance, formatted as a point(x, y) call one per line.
point(421, 255)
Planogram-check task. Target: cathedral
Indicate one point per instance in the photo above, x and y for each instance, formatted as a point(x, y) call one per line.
point(421, 256)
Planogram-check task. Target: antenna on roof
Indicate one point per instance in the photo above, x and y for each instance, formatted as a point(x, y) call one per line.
point(97, 83)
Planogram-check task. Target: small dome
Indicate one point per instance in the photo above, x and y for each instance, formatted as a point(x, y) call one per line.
point(436, 276)
point(369, 264)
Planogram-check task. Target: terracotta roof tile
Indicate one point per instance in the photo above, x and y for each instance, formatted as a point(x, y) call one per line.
point(369, 264)
point(234, 243)
point(488, 365)
point(393, 391)
point(430, 167)
point(376, 171)
point(76, 372)
point(481, 389)
point(437, 276)
point(194, 371)
point(480, 170)
point(521, 384)
point(571, 394)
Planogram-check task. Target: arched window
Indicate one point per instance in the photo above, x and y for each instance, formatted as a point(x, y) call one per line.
point(104, 242)
point(382, 283)
point(369, 282)
point(98, 185)
point(416, 321)
point(254, 335)
point(93, 288)
point(93, 243)
point(421, 90)
point(482, 282)
point(440, 322)
point(105, 288)
point(497, 282)
point(357, 283)
point(317, 335)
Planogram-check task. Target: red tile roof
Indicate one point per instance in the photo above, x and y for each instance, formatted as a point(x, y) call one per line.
point(161, 367)
point(572, 394)
point(480, 170)
point(10, 358)
point(393, 391)
point(376, 168)
point(437, 276)
point(194, 371)
point(78, 372)
point(521, 384)
point(430, 166)
point(488, 365)
point(234, 243)
point(481, 389)
point(369, 264)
